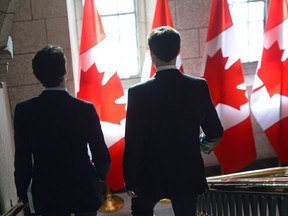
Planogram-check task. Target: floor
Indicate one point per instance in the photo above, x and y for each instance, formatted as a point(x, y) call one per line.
point(161, 209)
point(120, 205)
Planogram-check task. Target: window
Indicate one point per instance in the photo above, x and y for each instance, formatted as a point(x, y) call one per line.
point(119, 22)
point(248, 18)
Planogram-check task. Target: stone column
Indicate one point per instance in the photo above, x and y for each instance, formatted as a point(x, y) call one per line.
point(8, 197)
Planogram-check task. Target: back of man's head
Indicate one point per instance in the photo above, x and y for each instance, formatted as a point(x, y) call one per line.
point(49, 65)
point(164, 43)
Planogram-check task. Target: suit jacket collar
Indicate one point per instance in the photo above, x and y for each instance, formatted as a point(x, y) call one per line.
point(168, 73)
point(55, 92)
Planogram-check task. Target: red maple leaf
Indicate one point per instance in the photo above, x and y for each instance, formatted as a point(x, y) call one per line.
point(273, 72)
point(103, 97)
point(223, 83)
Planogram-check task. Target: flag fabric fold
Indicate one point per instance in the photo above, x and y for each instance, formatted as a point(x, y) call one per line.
point(100, 84)
point(269, 98)
point(223, 71)
point(162, 17)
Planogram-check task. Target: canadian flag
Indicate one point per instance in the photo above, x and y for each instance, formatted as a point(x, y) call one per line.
point(269, 99)
point(100, 84)
point(224, 73)
point(162, 17)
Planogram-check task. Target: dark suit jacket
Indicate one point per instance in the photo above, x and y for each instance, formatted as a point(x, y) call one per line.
point(162, 150)
point(51, 136)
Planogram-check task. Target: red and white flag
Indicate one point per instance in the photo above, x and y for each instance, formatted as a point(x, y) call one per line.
point(269, 99)
point(162, 17)
point(100, 84)
point(224, 74)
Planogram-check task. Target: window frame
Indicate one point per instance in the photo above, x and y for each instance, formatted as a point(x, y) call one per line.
point(244, 58)
point(117, 15)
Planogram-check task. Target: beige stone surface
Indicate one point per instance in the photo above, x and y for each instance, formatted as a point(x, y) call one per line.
point(202, 40)
point(48, 8)
point(58, 32)
point(67, 53)
point(20, 93)
point(192, 66)
point(192, 13)
point(70, 87)
point(24, 11)
point(6, 22)
point(20, 71)
point(172, 7)
point(7, 11)
point(189, 43)
point(28, 37)
point(9, 6)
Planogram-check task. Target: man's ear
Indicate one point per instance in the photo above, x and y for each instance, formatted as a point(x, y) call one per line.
point(152, 55)
point(65, 76)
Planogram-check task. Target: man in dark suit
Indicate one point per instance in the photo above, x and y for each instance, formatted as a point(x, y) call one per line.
point(52, 135)
point(162, 157)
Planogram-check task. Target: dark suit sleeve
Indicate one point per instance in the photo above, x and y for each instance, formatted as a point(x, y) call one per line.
point(211, 124)
point(98, 147)
point(133, 140)
point(23, 155)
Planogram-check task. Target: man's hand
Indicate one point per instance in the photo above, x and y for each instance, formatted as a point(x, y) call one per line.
point(131, 193)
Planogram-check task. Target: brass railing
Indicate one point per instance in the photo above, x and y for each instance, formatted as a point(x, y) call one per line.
point(254, 193)
point(16, 210)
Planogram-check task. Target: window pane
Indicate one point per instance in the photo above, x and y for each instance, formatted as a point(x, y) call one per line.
point(237, 1)
point(242, 37)
point(248, 19)
point(119, 23)
point(242, 34)
point(125, 6)
point(129, 47)
point(239, 12)
point(108, 7)
point(255, 40)
point(256, 11)
point(121, 33)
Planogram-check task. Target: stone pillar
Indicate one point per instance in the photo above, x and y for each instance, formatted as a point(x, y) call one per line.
point(8, 197)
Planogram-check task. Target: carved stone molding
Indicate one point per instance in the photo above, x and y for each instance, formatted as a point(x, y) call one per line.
point(5, 55)
point(7, 12)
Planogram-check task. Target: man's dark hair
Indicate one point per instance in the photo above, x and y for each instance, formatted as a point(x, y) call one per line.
point(164, 42)
point(49, 65)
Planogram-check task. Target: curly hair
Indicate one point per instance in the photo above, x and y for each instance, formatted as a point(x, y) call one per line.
point(49, 65)
point(164, 42)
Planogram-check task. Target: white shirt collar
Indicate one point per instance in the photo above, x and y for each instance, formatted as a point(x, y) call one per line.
point(165, 67)
point(56, 89)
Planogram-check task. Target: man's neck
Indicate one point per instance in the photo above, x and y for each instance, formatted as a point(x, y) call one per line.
point(166, 67)
point(158, 63)
point(61, 86)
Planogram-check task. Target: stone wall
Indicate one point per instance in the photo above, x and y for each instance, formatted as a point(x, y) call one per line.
point(36, 24)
